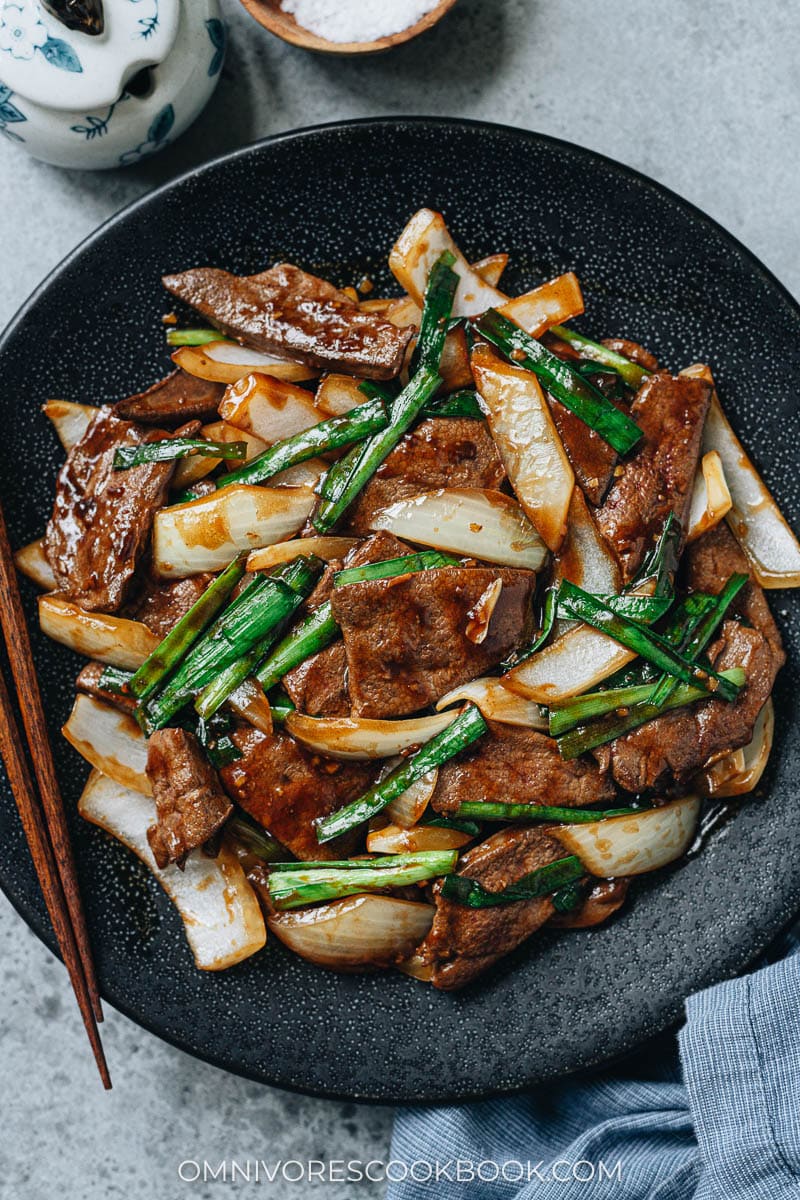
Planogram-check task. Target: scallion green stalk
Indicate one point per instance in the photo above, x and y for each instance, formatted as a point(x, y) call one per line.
point(194, 337)
point(433, 327)
point(542, 882)
point(169, 449)
point(169, 653)
point(113, 679)
point(490, 811)
point(582, 606)
point(468, 726)
point(587, 737)
point(301, 580)
point(355, 426)
point(263, 605)
point(661, 564)
point(458, 404)
point(346, 478)
point(631, 372)
point(696, 639)
point(581, 709)
point(306, 885)
point(350, 479)
point(314, 633)
point(405, 564)
point(568, 386)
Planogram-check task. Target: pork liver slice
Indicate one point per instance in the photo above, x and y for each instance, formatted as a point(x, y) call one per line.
point(464, 941)
point(406, 638)
point(286, 311)
point(102, 518)
point(659, 476)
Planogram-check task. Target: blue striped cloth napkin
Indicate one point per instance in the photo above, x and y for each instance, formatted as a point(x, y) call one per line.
point(714, 1115)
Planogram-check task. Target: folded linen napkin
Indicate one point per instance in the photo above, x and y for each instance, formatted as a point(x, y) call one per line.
point(711, 1115)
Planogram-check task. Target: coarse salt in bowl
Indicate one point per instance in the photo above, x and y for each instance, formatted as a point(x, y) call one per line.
point(348, 27)
point(344, 21)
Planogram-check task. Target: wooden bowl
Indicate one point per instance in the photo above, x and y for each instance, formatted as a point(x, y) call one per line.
point(270, 14)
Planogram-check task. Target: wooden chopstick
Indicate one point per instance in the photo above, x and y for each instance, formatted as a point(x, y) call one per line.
point(42, 853)
point(20, 656)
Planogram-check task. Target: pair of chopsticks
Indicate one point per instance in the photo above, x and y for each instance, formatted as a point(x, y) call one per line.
point(43, 819)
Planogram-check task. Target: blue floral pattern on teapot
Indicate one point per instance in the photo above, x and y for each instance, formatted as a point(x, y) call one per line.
point(134, 124)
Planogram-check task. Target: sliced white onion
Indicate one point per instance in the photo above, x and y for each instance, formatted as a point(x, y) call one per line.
point(724, 770)
point(359, 931)
point(269, 408)
point(407, 809)
point(496, 703)
point(337, 394)
point(223, 431)
point(417, 968)
point(586, 558)
point(633, 845)
point(404, 312)
point(479, 617)
point(711, 497)
point(454, 366)
point(31, 560)
point(218, 907)
point(361, 737)
point(491, 268)
point(422, 242)
point(116, 641)
point(480, 523)
point(190, 470)
point(205, 534)
point(69, 420)
point(326, 548)
point(575, 662)
point(304, 474)
point(551, 303)
point(250, 703)
point(394, 839)
point(226, 362)
point(755, 519)
point(110, 740)
point(378, 304)
point(528, 441)
point(740, 771)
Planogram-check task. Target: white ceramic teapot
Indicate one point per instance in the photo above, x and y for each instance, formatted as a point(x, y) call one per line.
point(104, 83)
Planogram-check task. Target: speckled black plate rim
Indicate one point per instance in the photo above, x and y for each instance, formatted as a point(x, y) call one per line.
point(769, 930)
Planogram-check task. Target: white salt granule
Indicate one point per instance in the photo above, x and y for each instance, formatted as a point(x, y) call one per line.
point(357, 20)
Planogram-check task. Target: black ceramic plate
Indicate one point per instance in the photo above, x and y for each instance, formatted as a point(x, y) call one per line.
point(653, 268)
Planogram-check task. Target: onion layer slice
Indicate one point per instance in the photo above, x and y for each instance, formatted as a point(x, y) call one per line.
point(357, 932)
point(633, 845)
point(755, 519)
point(117, 641)
point(528, 441)
point(228, 362)
point(217, 905)
point(205, 534)
point(361, 737)
point(111, 741)
point(483, 524)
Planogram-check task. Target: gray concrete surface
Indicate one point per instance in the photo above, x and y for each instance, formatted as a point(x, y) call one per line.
point(705, 98)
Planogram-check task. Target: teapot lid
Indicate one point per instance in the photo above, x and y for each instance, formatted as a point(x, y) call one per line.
point(45, 61)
